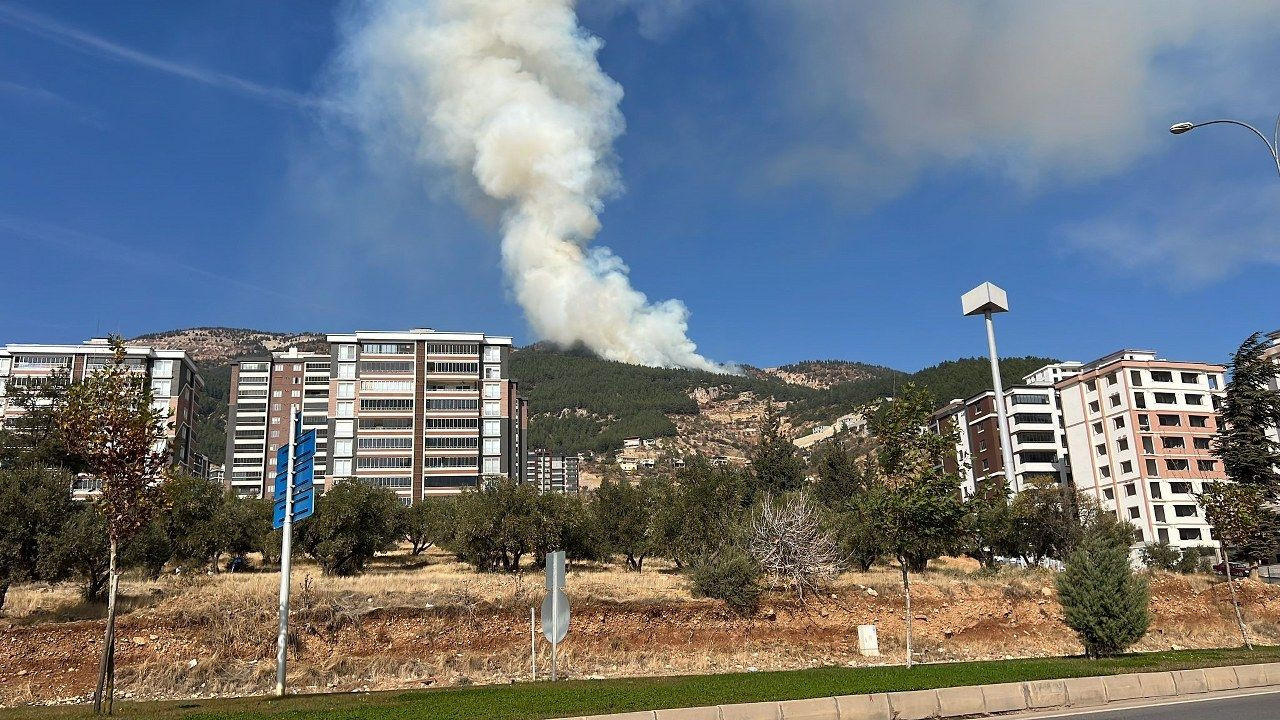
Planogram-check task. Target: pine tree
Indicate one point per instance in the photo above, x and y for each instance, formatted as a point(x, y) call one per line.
point(1102, 598)
point(776, 467)
point(1249, 410)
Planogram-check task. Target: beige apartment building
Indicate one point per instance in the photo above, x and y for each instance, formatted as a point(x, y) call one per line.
point(171, 374)
point(1139, 430)
point(420, 412)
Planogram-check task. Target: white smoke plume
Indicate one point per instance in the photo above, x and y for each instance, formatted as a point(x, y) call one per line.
point(508, 93)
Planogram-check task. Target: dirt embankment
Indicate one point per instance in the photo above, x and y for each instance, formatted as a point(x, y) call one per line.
point(413, 629)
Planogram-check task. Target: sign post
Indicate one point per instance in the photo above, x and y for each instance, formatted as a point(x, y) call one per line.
point(294, 500)
point(555, 607)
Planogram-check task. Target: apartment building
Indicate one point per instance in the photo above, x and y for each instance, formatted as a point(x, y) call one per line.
point(1035, 427)
point(419, 412)
point(264, 391)
point(553, 473)
point(1139, 430)
point(171, 374)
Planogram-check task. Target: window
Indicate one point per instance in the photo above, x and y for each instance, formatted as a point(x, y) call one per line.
point(1118, 422)
point(384, 404)
point(1155, 489)
point(1166, 398)
point(346, 390)
point(341, 466)
point(1033, 418)
point(1030, 399)
point(1144, 422)
point(378, 462)
point(1161, 376)
point(342, 428)
point(1140, 400)
point(253, 367)
point(1101, 449)
point(1206, 465)
point(402, 423)
point(1169, 420)
point(347, 371)
point(1148, 447)
point(1091, 385)
point(986, 465)
point(492, 427)
point(1094, 407)
point(1135, 513)
point(1130, 490)
point(1114, 400)
point(492, 446)
point(1185, 510)
point(1177, 464)
point(1097, 428)
point(386, 349)
point(1213, 382)
point(386, 367)
point(342, 446)
point(275, 407)
point(982, 444)
point(1038, 456)
point(1122, 444)
point(492, 466)
point(1191, 378)
point(297, 381)
point(1111, 379)
point(452, 348)
point(1152, 469)
point(1109, 494)
point(346, 352)
point(1162, 533)
point(1188, 533)
point(275, 421)
point(1034, 436)
point(492, 372)
point(161, 387)
point(454, 461)
point(1180, 488)
point(1200, 443)
point(452, 404)
point(387, 481)
point(453, 368)
point(1126, 467)
point(1197, 421)
point(1135, 376)
point(277, 393)
point(492, 408)
point(1159, 513)
point(162, 368)
point(1173, 441)
point(451, 423)
point(346, 409)
point(452, 443)
point(295, 393)
point(1193, 399)
point(492, 390)
point(1104, 471)
point(492, 354)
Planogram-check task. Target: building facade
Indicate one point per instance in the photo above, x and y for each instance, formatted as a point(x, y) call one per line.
point(1035, 427)
point(171, 375)
point(418, 412)
point(1139, 430)
point(553, 473)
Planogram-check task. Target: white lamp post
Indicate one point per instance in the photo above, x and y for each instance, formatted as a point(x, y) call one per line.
point(985, 300)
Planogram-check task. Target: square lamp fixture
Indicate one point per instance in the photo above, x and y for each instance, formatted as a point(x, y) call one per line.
point(986, 298)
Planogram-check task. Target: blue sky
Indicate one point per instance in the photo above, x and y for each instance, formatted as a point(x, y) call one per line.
point(816, 180)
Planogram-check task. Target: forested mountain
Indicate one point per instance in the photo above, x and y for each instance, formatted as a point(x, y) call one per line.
point(580, 403)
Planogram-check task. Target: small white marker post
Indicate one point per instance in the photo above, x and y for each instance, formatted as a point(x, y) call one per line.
point(533, 645)
point(286, 550)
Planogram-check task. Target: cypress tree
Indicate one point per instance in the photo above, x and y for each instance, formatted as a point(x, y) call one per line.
point(1102, 598)
point(1249, 410)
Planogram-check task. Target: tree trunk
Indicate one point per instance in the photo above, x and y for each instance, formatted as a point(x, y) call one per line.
point(906, 590)
point(1235, 603)
point(4, 590)
point(106, 665)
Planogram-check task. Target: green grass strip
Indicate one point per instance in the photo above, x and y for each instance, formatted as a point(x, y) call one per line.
point(536, 701)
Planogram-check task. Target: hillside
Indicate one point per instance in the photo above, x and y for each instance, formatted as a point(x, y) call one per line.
point(580, 403)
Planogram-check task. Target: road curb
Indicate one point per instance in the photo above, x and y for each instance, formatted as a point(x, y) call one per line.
point(978, 700)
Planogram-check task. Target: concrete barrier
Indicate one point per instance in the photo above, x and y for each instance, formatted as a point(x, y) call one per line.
point(1221, 678)
point(981, 700)
point(1046, 694)
point(864, 707)
point(1157, 684)
point(1085, 691)
point(961, 701)
point(1122, 687)
point(816, 709)
point(1190, 682)
point(750, 711)
point(1005, 697)
point(914, 705)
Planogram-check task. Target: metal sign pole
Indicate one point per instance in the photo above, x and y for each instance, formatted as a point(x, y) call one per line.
point(286, 550)
point(555, 613)
point(533, 646)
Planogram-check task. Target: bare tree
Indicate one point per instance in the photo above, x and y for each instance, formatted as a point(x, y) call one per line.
point(789, 542)
point(110, 424)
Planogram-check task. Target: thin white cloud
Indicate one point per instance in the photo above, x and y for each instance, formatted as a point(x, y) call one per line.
point(50, 29)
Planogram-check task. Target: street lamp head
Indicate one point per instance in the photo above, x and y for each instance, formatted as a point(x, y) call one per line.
point(1181, 128)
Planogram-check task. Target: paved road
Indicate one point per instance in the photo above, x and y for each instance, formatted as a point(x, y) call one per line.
point(1249, 707)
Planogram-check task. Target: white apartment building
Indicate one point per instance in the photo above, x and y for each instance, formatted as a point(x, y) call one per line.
point(171, 374)
point(419, 412)
point(1138, 432)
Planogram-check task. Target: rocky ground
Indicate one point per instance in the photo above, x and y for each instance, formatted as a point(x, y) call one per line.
point(410, 624)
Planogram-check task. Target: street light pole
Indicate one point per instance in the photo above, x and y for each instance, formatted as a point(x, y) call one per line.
point(985, 300)
point(1273, 145)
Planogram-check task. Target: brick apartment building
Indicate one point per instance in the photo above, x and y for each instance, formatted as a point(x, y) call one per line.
point(553, 473)
point(171, 374)
point(419, 412)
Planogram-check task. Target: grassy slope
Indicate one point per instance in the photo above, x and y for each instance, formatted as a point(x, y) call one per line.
point(533, 701)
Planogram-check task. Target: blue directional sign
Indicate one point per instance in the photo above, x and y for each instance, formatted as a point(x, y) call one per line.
point(304, 452)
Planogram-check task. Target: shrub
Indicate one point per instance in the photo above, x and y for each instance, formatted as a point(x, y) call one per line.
point(1160, 556)
point(351, 524)
point(1102, 598)
point(731, 575)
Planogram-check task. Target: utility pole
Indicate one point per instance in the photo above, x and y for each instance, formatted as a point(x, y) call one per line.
point(985, 300)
